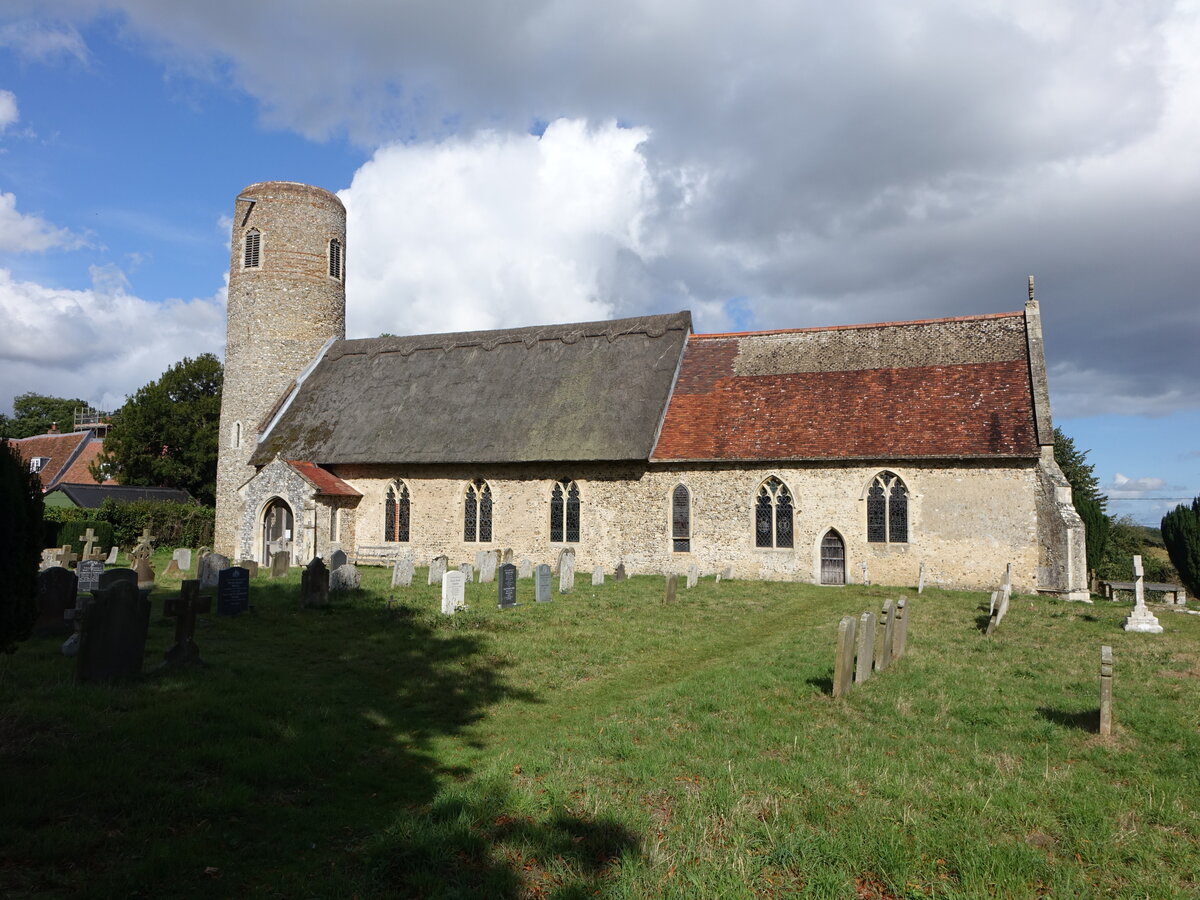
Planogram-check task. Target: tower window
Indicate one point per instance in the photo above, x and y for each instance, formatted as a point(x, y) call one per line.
point(335, 259)
point(251, 258)
point(773, 515)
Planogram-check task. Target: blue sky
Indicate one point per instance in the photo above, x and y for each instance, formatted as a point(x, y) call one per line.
point(765, 167)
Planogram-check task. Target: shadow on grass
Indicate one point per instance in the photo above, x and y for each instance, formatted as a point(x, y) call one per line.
point(1087, 720)
point(823, 683)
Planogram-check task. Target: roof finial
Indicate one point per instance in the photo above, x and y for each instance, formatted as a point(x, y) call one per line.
point(1032, 299)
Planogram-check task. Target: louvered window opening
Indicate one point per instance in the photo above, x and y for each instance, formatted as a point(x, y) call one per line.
point(681, 520)
point(564, 512)
point(335, 259)
point(396, 517)
point(773, 515)
point(887, 510)
point(253, 244)
point(477, 513)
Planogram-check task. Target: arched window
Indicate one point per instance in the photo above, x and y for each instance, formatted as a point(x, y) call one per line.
point(251, 256)
point(564, 512)
point(773, 515)
point(681, 519)
point(335, 259)
point(396, 513)
point(477, 512)
point(887, 510)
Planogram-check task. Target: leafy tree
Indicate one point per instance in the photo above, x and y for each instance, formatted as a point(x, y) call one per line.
point(20, 547)
point(166, 434)
point(1181, 534)
point(35, 413)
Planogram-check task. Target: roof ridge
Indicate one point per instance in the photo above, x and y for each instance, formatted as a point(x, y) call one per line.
point(975, 318)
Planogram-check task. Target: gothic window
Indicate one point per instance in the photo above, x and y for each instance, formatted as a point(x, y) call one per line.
point(773, 515)
point(564, 512)
point(477, 512)
point(887, 510)
point(335, 259)
point(251, 259)
point(396, 513)
point(681, 519)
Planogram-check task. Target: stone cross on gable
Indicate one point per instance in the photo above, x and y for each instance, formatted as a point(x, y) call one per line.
point(185, 608)
point(89, 541)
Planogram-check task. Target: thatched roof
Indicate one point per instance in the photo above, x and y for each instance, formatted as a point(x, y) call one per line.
point(581, 392)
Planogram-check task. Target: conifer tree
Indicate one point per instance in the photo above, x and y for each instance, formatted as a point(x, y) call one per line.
point(1181, 535)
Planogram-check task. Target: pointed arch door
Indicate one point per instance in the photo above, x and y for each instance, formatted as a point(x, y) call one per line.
point(278, 527)
point(833, 559)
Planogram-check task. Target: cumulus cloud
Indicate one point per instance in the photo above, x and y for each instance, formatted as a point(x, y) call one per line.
point(8, 109)
point(38, 42)
point(1133, 487)
point(20, 233)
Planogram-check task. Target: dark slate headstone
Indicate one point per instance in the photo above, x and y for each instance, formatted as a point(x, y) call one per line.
point(110, 577)
point(620, 575)
point(89, 572)
point(541, 584)
point(337, 559)
point(233, 591)
point(184, 609)
point(506, 585)
point(314, 584)
point(56, 595)
point(112, 642)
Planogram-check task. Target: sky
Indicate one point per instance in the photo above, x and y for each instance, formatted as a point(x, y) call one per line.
point(762, 164)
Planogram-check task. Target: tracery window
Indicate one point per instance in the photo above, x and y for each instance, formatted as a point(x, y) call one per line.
point(335, 259)
point(887, 510)
point(251, 257)
point(681, 519)
point(564, 512)
point(477, 512)
point(396, 513)
point(773, 515)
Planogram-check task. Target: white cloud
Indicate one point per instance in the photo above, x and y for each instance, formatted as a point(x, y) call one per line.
point(20, 233)
point(8, 109)
point(1123, 487)
point(38, 42)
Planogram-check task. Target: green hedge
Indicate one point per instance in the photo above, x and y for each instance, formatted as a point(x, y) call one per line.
point(73, 532)
point(171, 524)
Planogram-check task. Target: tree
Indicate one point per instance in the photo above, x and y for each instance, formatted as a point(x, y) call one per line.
point(166, 434)
point(1181, 534)
point(20, 547)
point(35, 413)
point(1088, 499)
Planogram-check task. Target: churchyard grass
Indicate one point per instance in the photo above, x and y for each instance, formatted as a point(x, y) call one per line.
point(605, 744)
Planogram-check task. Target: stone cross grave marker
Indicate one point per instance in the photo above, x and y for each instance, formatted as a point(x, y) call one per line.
point(1106, 677)
point(314, 584)
point(112, 642)
point(143, 549)
point(233, 591)
point(454, 586)
point(184, 610)
point(693, 576)
point(921, 578)
point(345, 577)
point(843, 664)
point(1141, 619)
point(487, 572)
point(210, 567)
point(597, 576)
point(402, 572)
point(619, 574)
point(56, 594)
point(883, 655)
point(566, 572)
point(67, 557)
point(900, 636)
point(437, 568)
point(525, 570)
point(506, 586)
point(112, 555)
point(183, 558)
point(865, 658)
point(337, 559)
point(281, 561)
point(89, 543)
point(89, 572)
point(541, 584)
point(671, 589)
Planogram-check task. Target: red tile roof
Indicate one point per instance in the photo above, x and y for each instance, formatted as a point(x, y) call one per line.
point(79, 473)
point(324, 481)
point(59, 449)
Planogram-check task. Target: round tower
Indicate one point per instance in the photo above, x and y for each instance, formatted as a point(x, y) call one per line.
point(287, 299)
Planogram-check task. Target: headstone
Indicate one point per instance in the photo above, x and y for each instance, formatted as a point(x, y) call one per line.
point(143, 549)
point(402, 572)
point(172, 568)
point(693, 576)
point(564, 554)
point(468, 571)
point(865, 658)
point(453, 592)
point(727, 573)
point(1141, 619)
point(184, 609)
point(566, 572)
point(672, 587)
point(89, 572)
point(314, 584)
point(900, 638)
point(597, 576)
point(183, 558)
point(67, 557)
point(1106, 677)
point(112, 555)
point(525, 570)
point(233, 591)
point(921, 578)
point(843, 664)
point(251, 566)
point(56, 594)
point(345, 578)
point(112, 640)
point(619, 574)
point(883, 654)
point(281, 561)
point(506, 586)
point(1008, 576)
point(541, 584)
point(145, 573)
point(337, 559)
point(437, 568)
point(210, 567)
point(866, 574)
point(479, 554)
point(506, 557)
point(89, 543)
point(203, 552)
point(487, 571)
point(50, 557)
point(110, 577)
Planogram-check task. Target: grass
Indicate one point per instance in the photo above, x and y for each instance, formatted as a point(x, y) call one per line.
point(607, 745)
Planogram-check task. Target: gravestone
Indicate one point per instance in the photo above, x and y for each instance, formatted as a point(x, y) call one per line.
point(526, 569)
point(693, 576)
point(672, 587)
point(67, 557)
point(203, 552)
point(866, 574)
point(314, 584)
point(454, 586)
point(1106, 677)
point(865, 658)
point(843, 662)
point(89, 543)
point(566, 572)
point(506, 586)
point(883, 654)
point(110, 577)
point(145, 573)
point(56, 594)
point(184, 610)
point(487, 571)
point(541, 584)
point(143, 549)
point(345, 577)
point(597, 576)
point(900, 638)
point(49, 558)
point(437, 568)
point(251, 566)
point(183, 558)
point(506, 557)
point(281, 561)
point(921, 578)
point(112, 641)
point(1141, 619)
point(233, 591)
point(89, 572)
point(209, 568)
point(112, 555)
point(172, 568)
point(619, 574)
point(402, 572)
point(468, 571)
point(337, 559)
point(727, 573)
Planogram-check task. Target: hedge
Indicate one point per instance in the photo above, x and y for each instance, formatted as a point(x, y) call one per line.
point(171, 524)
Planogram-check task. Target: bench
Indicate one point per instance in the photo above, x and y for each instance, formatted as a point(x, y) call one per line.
point(1173, 594)
point(377, 554)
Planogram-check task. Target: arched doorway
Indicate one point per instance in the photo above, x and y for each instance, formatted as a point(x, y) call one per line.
point(833, 559)
point(278, 526)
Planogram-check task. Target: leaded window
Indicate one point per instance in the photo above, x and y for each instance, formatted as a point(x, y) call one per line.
point(335, 258)
point(773, 515)
point(251, 257)
point(564, 512)
point(396, 513)
point(681, 519)
point(477, 512)
point(887, 510)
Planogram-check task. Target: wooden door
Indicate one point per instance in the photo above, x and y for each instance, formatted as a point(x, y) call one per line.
point(833, 559)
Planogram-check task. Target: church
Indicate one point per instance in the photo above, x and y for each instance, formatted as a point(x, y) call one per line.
point(818, 454)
